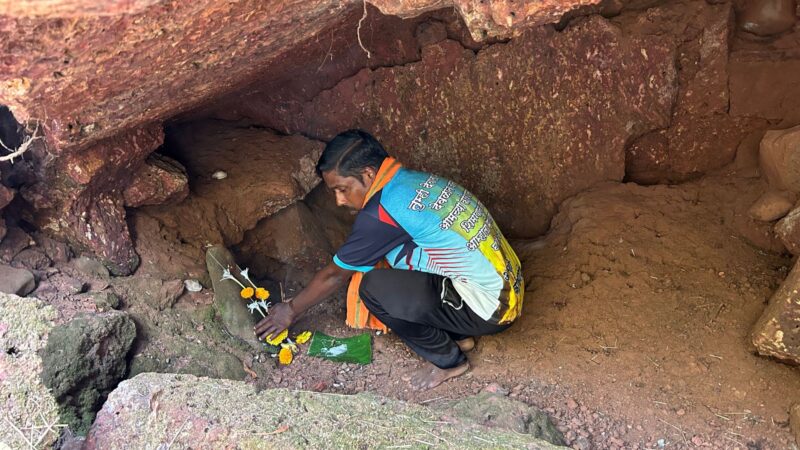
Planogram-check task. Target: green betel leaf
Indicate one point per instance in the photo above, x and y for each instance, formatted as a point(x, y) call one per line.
point(354, 349)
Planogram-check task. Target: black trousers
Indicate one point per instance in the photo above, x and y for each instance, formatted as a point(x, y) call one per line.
point(425, 311)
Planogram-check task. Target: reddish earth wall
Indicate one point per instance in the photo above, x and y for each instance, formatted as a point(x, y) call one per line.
point(654, 94)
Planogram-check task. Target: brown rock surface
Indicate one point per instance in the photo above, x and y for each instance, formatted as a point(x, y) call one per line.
point(73, 8)
point(160, 180)
point(14, 242)
point(163, 254)
point(765, 84)
point(265, 173)
point(494, 119)
point(287, 246)
point(788, 231)
point(767, 17)
point(772, 206)
point(16, 281)
point(794, 421)
point(79, 195)
point(493, 18)
point(6, 195)
point(75, 69)
point(701, 135)
point(779, 159)
point(689, 148)
point(776, 333)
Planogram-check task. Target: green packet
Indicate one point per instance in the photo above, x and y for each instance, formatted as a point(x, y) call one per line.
point(354, 349)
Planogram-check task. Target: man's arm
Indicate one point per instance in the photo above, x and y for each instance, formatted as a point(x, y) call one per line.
point(322, 286)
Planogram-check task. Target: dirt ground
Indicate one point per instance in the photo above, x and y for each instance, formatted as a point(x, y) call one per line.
point(635, 326)
point(634, 333)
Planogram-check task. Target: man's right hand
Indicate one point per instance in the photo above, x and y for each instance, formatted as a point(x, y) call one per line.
point(279, 318)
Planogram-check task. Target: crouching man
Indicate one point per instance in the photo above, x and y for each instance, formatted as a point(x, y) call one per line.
point(424, 258)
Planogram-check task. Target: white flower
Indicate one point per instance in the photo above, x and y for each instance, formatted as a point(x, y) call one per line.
point(253, 306)
point(264, 305)
point(226, 275)
point(246, 275)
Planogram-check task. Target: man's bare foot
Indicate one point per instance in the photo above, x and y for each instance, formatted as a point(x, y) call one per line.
point(466, 344)
point(431, 376)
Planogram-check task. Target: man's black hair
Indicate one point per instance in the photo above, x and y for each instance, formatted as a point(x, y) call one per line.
point(350, 152)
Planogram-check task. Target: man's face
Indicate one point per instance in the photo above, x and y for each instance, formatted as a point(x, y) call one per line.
point(349, 191)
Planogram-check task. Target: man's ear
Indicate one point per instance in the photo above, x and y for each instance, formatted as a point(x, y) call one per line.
point(368, 176)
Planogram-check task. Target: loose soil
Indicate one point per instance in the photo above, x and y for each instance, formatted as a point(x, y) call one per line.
point(634, 335)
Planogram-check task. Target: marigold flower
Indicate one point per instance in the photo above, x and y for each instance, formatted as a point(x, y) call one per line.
point(290, 345)
point(285, 356)
point(247, 292)
point(278, 339)
point(262, 294)
point(303, 337)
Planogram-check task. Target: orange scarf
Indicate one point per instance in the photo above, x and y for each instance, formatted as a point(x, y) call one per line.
point(358, 316)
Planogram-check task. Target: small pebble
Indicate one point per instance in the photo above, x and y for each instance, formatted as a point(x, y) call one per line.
point(193, 285)
point(219, 175)
point(495, 388)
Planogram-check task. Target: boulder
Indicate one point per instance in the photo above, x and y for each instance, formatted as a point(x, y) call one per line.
point(84, 360)
point(24, 400)
point(32, 258)
point(105, 300)
point(203, 49)
point(155, 292)
point(6, 195)
point(78, 195)
point(776, 333)
point(772, 206)
point(265, 172)
point(288, 245)
point(499, 411)
point(161, 180)
point(172, 354)
point(788, 231)
point(779, 159)
point(230, 306)
point(16, 281)
point(14, 242)
point(767, 17)
point(169, 293)
point(183, 410)
point(57, 251)
point(91, 267)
